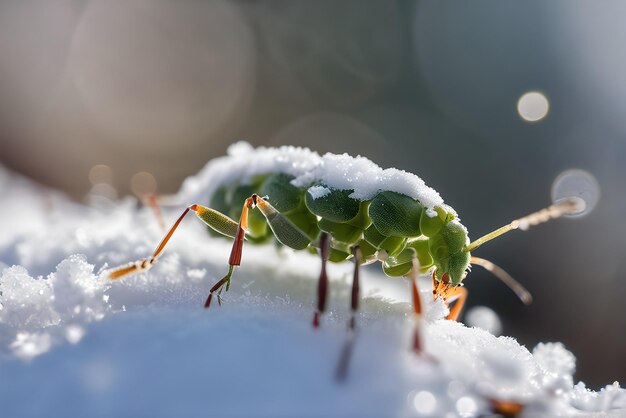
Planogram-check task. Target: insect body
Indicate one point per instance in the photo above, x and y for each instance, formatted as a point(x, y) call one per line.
point(341, 208)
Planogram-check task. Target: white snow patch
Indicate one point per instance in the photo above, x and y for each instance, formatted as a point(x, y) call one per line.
point(144, 345)
point(318, 191)
point(342, 172)
point(241, 164)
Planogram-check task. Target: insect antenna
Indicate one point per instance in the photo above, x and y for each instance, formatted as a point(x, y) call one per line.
point(521, 292)
point(567, 206)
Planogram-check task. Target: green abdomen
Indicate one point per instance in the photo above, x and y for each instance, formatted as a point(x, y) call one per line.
point(391, 226)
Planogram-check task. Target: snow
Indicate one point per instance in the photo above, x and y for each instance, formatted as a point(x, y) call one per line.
point(341, 172)
point(318, 191)
point(242, 163)
point(74, 344)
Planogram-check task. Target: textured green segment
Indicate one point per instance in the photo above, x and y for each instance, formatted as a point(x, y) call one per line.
point(455, 236)
point(337, 256)
point(283, 195)
point(368, 251)
point(392, 245)
point(457, 265)
point(305, 220)
point(257, 226)
point(373, 236)
point(335, 206)
point(218, 221)
point(451, 239)
point(362, 219)
point(287, 233)
point(284, 230)
point(341, 231)
point(395, 214)
point(423, 253)
point(430, 226)
point(400, 265)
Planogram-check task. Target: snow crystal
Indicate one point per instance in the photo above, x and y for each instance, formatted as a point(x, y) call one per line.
point(558, 363)
point(318, 191)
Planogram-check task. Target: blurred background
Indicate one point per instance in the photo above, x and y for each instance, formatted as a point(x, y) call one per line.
point(487, 101)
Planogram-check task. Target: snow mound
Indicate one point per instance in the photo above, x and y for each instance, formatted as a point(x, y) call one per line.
point(73, 343)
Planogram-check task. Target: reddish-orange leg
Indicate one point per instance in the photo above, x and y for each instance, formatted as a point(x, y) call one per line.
point(145, 263)
point(456, 295)
point(235, 252)
point(450, 294)
point(354, 295)
point(284, 231)
point(417, 309)
point(322, 283)
point(216, 220)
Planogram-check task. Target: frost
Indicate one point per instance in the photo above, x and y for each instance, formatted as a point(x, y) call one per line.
point(318, 191)
point(558, 363)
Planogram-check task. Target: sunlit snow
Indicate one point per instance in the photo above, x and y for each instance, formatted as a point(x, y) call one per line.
point(74, 344)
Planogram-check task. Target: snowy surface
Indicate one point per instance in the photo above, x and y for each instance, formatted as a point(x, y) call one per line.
point(342, 172)
point(73, 344)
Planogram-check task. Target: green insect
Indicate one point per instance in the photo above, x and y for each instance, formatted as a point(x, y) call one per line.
point(344, 208)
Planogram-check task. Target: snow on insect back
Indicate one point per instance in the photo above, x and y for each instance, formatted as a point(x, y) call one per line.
point(341, 172)
point(244, 162)
point(344, 172)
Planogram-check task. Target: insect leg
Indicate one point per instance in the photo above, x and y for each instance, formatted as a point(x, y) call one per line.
point(235, 252)
point(322, 283)
point(457, 294)
point(354, 296)
point(417, 309)
point(214, 219)
point(284, 230)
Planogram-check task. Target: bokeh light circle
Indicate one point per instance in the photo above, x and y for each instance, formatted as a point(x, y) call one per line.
point(424, 402)
point(577, 183)
point(533, 106)
point(484, 318)
point(150, 71)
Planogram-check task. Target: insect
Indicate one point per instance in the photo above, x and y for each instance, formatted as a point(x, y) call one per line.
point(341, 208)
